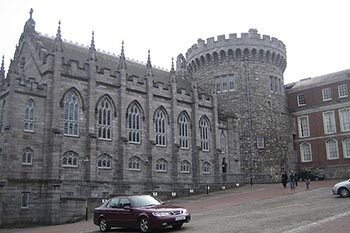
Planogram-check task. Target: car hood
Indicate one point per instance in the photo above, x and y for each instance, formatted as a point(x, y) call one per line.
point(163, 207)
point(342, 183)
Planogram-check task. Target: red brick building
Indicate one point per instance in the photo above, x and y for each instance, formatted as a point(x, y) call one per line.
point(320, 109)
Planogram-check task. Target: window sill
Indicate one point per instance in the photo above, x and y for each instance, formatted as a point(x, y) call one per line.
point(27, 164)
point(69, 166)
point(28, 131)
point(105, 139)
point(71, 136)
point(134, 170)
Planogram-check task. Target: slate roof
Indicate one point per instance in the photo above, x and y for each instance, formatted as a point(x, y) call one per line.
point(318, 81)
point(80, 53)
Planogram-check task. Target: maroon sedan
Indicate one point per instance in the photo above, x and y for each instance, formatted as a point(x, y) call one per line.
point(140, 211)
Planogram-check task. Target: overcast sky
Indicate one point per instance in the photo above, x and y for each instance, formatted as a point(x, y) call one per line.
point(315, 32)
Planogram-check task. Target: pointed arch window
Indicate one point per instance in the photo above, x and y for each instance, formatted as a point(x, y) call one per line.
point(71, 114)
point(204, 134)
point(70, 159)
point(305, 152)
point(135, 163)
point(161, 165)
point(185, 167)
point(160, 127)
point(332, 149)
point(223, 142)
point(206, 167)
point(27, 156)
point(104, 161)
point(104, 123)
point(134, 124)
point(183, 131)
point(29, 116)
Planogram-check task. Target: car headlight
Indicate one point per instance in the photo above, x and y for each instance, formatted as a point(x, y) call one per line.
point(161, 214)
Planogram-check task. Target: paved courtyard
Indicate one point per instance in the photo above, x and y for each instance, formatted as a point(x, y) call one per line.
point(258, 208)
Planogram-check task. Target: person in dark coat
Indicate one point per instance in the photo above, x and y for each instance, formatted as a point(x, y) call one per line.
point(284, 179)
point(307, 180)
point(292, 180)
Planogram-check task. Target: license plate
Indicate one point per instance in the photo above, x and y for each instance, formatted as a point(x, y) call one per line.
point(180, 218)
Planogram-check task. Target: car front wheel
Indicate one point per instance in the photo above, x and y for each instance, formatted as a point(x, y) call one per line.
point(344, 192)
point(144, 225)
point(103, 225)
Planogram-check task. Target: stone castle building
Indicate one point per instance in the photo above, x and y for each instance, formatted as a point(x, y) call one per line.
point(78, 125)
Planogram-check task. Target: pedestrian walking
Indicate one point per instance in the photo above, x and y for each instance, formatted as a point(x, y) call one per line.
point(292, 180)
point(307, 180)
point(284, 179)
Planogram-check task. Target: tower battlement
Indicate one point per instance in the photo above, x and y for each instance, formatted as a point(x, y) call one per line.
point(249, 46)
point(252, 38)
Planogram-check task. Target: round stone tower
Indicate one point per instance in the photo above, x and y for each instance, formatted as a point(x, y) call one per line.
point(246, 73)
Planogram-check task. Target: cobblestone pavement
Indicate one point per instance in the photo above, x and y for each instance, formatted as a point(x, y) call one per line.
point(257, 208)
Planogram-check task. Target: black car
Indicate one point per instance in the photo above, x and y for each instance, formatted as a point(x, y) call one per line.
point(313, 175)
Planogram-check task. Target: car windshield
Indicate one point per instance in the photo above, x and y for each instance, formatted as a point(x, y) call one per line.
point(139, 201)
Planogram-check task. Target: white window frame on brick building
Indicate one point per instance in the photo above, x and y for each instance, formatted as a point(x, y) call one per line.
point(185, 166)
point(344, 117)
point(326, 94)
point(346, 148)
point(29, 116)
point(301, 99)
point(343, 90)
point(160, 127)
point(332, 149)
point(70, 159)
point(329, 122)
point(206, 167)
point(134, 163)
point(161, 165)
point(71, 114)
point(305, 152)
point(27, 156)
point(134, 123)
point(25, 200)
point(104, 119)
point(183, 131)
point(104, 161)
point(260, 142)
point(303, 126)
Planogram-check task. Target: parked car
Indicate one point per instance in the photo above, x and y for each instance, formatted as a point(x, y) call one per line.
point(313, 175)
point(139, 211)
point(342, 188)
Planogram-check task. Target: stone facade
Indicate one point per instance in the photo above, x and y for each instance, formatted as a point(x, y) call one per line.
point(78, 125)
point(246, 73)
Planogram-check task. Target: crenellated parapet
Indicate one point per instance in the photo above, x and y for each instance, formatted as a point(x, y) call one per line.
point(249, 46)
point(31, 85)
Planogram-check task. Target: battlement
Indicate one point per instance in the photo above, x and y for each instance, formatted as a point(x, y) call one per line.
point(252, 38)
point(249, 47)
point(30, 84)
